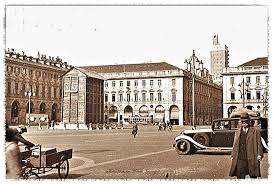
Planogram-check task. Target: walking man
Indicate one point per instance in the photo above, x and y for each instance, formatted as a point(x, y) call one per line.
point(247, 150)
point(135, 129)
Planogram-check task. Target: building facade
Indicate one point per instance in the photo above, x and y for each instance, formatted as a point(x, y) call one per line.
point(219, 58)
point(83, 102)
point(246, 86)
point(208, 99)
point(154, 92)
point(33, 84)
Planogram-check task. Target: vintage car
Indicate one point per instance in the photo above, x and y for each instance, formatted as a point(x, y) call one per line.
point(219, 136)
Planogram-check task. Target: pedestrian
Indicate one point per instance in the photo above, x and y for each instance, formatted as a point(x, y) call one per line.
point(135, 129)
point(52, 124)
point(159, 126)
point(164, 125)
point(247, 150)
point(13, 156)
point(170, 125)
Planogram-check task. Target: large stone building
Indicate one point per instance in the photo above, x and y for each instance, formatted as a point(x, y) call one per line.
point(83, 102)
point(208, 99)
point(35, 80)
point(246, 86)
point(219, 59)
point(153, 92)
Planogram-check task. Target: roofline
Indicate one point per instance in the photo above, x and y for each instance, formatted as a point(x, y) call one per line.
point(242, 65)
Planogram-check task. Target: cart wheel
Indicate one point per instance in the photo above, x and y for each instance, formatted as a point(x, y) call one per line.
point(63, 168)
point(31, 175)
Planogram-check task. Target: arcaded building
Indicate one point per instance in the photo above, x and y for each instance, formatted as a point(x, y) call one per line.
point(156, 92)
point(83, 102)
point(35, 80)
point(247, 86)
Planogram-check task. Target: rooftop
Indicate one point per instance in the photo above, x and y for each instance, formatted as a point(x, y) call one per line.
point(131, 67)
point(256, 62)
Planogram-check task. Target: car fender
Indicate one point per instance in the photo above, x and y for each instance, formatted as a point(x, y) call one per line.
point(196, 144)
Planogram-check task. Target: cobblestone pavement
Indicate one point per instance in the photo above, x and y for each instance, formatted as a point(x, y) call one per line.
point(115, 154)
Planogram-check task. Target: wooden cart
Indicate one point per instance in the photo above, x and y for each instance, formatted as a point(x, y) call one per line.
point(41, 160)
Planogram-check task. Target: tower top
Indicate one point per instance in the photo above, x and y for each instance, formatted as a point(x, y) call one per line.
point(215, 40)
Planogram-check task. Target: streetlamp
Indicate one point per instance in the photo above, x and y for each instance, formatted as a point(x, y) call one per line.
point(244, 88)
point(193, 65)
point(29, 94)
point(265, 102)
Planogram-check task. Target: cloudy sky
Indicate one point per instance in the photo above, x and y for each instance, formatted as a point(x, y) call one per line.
point(95, 35)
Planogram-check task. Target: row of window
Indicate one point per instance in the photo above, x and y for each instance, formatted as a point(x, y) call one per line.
point(128, 83)
point(248, 79)
point(248, 95)
point(50, 93)
point(136, 99)
point(26, 71)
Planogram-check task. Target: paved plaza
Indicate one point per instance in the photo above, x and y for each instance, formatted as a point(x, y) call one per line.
point(115, 154)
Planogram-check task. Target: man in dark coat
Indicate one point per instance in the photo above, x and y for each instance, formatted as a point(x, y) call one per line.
point(135, 129)
point(247, 150)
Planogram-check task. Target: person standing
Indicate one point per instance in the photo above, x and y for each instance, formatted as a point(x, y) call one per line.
point(247, 151)
point(13, 156)
point(135, 129)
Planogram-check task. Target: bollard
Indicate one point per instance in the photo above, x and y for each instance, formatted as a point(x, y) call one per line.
point(97, 126)
point(104, 128)
point(110, 128)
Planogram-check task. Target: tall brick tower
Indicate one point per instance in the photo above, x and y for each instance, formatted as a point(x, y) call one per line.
point(218, 59)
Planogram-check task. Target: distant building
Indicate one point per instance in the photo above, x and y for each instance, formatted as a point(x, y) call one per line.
point(246, 86)
point(156, 92)
point(83, 102)
point(219, 59)
point(40, 76)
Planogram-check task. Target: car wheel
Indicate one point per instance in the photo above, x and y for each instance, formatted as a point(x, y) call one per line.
point(183, 147)
point(201, 138)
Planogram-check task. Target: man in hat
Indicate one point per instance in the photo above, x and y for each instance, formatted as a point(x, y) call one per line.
point(13, 156)
point(247, 150)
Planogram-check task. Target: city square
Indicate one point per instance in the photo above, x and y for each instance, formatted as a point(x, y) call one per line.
point(123, 93)
point(115, 154)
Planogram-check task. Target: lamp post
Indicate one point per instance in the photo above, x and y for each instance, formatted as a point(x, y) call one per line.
point(244, 89)
point(265, 102)
point(193, 64)
point(29, 94)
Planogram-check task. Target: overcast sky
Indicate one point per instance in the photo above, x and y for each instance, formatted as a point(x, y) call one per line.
point(95, 35)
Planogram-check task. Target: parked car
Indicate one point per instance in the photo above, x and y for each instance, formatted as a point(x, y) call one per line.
point(219, 136)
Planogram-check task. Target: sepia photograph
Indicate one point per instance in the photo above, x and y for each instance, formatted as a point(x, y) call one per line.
point(136, 91)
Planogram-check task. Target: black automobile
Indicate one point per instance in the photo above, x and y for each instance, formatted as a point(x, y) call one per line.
point(219, 136)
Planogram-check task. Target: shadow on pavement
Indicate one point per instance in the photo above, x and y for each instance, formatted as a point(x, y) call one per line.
point(55, 176)
point(213, 153)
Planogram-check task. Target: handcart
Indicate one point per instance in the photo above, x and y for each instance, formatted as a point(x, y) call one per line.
point(40, 160)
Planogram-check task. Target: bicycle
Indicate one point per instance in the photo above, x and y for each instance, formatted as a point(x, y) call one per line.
point(28, 172)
